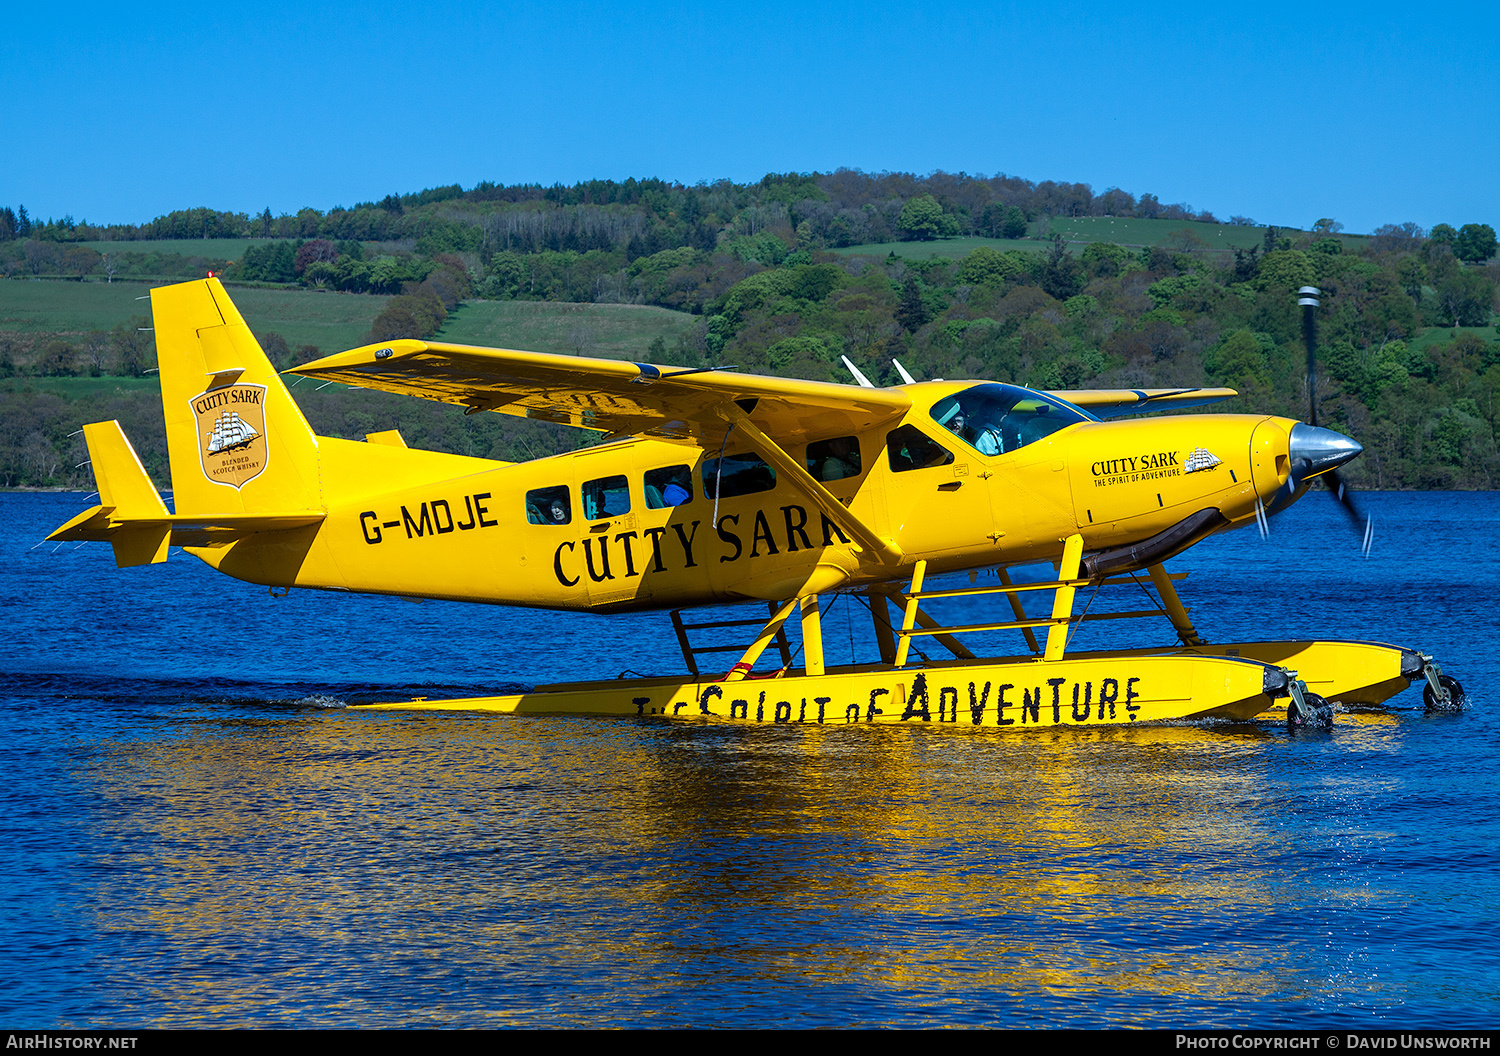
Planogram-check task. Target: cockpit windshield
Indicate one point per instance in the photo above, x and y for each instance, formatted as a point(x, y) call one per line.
point(996, 419)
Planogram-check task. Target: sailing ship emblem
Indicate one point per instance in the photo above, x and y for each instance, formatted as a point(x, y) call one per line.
point(232, 433)
point(1200, 459)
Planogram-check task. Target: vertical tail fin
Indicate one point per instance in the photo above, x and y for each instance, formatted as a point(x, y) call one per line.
point(237, 442)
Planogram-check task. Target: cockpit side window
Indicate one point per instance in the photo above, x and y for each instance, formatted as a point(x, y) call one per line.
point(996, 419)
point(738, 474)
point(909, 448)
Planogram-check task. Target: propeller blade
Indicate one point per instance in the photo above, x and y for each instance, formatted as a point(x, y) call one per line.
point(1307, 297)
point(1362, 522)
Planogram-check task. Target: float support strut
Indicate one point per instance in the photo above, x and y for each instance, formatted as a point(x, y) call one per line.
point(1176, 611)
point(767, 634)
point(1062, 601)
point(884, 638)
point(909, 618)
point(1016, 607)
point(812, 636)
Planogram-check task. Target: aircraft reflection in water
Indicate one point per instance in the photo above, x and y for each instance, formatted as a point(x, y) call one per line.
point(1060, 846)
point(716, 487)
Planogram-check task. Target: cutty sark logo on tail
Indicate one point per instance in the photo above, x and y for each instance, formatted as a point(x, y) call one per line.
point(232, 433)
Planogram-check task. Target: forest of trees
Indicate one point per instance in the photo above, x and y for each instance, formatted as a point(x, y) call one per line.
point(1412, 363)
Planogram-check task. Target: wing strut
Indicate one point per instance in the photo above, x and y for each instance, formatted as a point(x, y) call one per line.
point(883, 550)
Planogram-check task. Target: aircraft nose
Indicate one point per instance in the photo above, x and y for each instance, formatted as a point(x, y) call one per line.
point(1321, 449)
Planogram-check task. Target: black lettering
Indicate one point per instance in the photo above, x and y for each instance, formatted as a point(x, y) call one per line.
point(373, 516)
point(708, 692)
point(625, 537)
point(1088, 699)
point(870, 715)
point(851, 713)
point(1031, 706)
point(469, 507)
point(977, 702)
point(762, 534)
point(588, 556)
point(798, 529)
point(480, 509)
point(829, 526)
point(640, 704)
point(655, 536)
point(948, 709)
point(760, 707)
point(729, 537)
point(446, 513)
point(1130, 695)
point(918, 692)
point(777, 712)
point(1000, 705)
point(425, 521)
point(821, 702)
point(739, 709)
point(1056, 684)
point(1109, 692)
point(687, 543)
point(557, 566)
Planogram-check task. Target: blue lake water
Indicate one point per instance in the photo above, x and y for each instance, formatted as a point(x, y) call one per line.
point(197, 831)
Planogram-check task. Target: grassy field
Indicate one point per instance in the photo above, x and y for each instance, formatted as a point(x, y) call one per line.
point(952, 248)
point(81, 388)
point(336, 321)
point(210, 248)
point(69, 307)
point(1080, 230)
point(332, 321)
point(611, 331)
point(1436, 335)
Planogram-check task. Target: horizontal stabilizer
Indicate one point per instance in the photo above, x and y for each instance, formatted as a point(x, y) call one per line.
point(109, 525)
point(132, 518)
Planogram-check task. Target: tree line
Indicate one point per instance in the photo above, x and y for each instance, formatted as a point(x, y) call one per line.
point(754, 264)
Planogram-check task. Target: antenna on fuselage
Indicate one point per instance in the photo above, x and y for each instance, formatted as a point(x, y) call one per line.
point(864, 382)
point(904, 375)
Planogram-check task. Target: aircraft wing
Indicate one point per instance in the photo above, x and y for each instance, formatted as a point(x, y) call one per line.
point(612, 396)
point(1111, 403)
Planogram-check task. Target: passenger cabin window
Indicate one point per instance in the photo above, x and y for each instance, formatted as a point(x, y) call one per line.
point(996, 419)
point(606, 497)
point(736, 475)
point(548, 506)
point(909, 448)
point(669, 486)
point(834, 459)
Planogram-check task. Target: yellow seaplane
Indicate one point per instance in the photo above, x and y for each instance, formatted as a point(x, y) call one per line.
point(713, 487)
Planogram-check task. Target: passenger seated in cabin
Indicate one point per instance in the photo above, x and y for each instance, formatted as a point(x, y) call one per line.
point(668, 486)
point(548, 506)
point(606, 497)
point(834, 459)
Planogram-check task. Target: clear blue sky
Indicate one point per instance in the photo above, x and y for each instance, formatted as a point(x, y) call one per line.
point(1368, 113)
